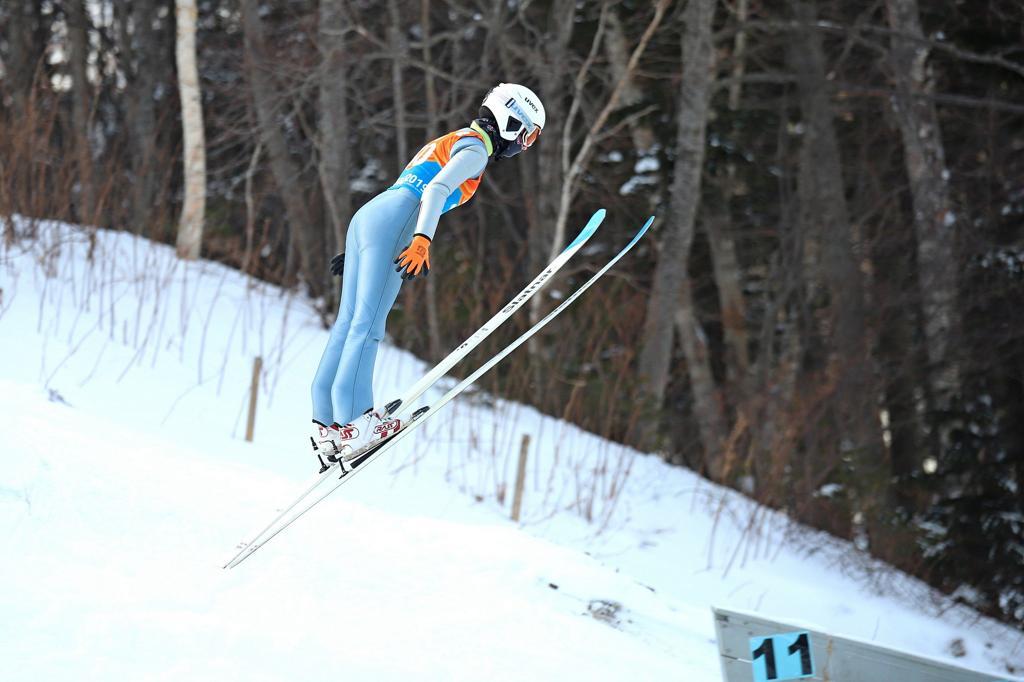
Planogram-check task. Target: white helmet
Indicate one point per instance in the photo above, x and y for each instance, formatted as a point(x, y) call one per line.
point(518, 112)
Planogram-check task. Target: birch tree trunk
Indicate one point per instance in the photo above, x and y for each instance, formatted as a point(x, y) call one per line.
point(934, 220)
point(78, 37)
point(665, 310)
point(190, 227)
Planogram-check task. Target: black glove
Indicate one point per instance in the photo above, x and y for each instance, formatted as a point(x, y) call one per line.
point(338, 265)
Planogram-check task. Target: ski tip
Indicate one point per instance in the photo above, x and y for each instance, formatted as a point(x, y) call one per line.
point(640, 233)
point(647, 226)
point(589, 229)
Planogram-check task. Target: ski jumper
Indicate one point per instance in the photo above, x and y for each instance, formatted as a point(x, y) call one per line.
point(443, 175)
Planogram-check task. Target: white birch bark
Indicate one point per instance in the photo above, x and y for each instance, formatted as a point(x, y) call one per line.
point(190, 227)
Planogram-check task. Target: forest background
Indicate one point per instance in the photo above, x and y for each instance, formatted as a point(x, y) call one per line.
point(827, 317)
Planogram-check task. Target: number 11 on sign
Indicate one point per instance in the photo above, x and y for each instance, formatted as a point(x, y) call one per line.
point(781, 657)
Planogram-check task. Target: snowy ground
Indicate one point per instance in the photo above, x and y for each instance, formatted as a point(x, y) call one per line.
point(111, 549)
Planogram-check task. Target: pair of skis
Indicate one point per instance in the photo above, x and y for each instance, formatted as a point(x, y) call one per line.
point(397, 407)
point(360, 459)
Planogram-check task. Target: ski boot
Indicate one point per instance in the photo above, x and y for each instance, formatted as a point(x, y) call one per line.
point(323, 445)
point(338, 443)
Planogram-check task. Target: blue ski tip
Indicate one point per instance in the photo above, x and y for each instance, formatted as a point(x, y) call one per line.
point(639, 234)
point(589, 229)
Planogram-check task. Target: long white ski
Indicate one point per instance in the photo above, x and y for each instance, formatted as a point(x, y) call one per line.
point(373, 452)
point(398, 406)
point(442, 368)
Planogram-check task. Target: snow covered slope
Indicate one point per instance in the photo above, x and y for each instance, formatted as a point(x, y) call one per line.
point(125, 482)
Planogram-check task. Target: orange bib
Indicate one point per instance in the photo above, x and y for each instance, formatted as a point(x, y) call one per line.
point(429, 162)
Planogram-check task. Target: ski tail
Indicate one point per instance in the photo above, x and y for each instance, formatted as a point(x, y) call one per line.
point(362, 459)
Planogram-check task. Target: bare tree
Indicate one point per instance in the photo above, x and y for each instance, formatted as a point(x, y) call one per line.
point(23, 53)
point(78, 37)
point(616, 48)
point(718, 223)
point(543, 174)
point(436, 344)
point(572, 165)
point(934, 219)
point(286, 172)
point(144, 53)
point(573, 169)
point(840, 344)
point(824, 214)
point(190, 227)
point(544, 180)
point(669, 306)
point(399, 47)
point(335, 157)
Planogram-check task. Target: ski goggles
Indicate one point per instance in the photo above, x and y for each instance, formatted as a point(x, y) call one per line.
point(528, 137)
point(530, 132)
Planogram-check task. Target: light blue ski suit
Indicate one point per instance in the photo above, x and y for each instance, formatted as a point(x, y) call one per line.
point(378, 232)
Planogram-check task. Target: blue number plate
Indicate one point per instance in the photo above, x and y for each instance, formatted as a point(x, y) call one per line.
point(785, 656)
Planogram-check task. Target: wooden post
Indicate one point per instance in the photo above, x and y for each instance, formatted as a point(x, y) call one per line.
point(254, 389)
point(517, 499)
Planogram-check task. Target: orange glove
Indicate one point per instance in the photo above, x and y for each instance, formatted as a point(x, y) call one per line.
point(415, 259)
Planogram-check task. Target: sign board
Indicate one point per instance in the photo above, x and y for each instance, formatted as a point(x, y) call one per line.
point(756, 649)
